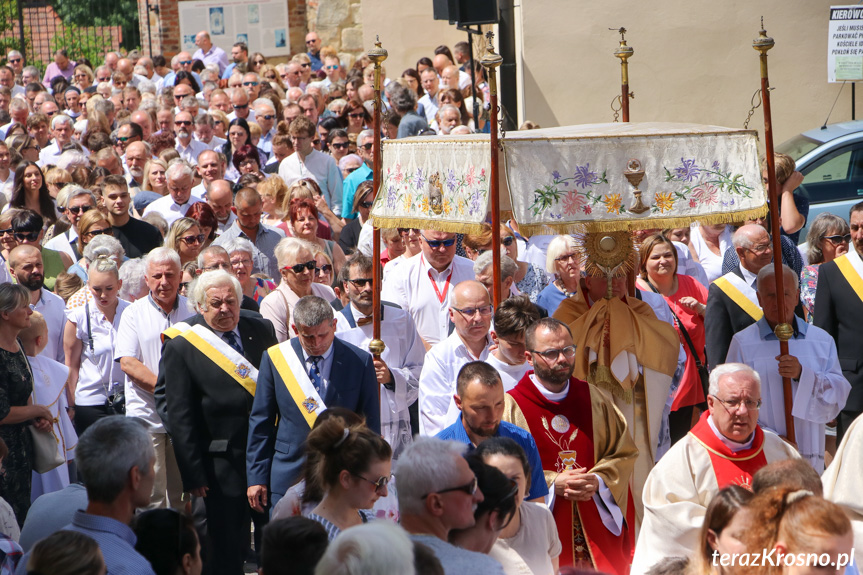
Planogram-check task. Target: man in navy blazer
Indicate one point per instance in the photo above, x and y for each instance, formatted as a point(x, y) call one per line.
point(341, 375)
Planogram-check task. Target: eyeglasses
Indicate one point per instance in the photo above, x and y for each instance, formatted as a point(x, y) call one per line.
point(184, 285)
point(550, 355)
point(316, 142)
point(199, 239)
point(270, 76)
point(26, 236)
point(306, 65)
point(219, 266)
point(298, 268)
point(360, 283)
point(357, 115)
point(760, 249)
point(331, 67)
point(240, 106)
point(343, 146)
point(310, 42)
point(484, 311)
point(285, 76)
point(366, 205)
point(366, 147)
point(7, 231)
point(242, 262)
point(381, 482)
point(79, 76)
point(79, 209)
point(250, 83)
point(260, 61)
point(435, 244)
point(105, 231)
point(180, 96)
point(734, 404)
point(185, 62)
point(106, 79)
point(124, 139)
point(268, 116)
point(323, 270)
point(406, 231)
point(467, 488)
point(178, 123)
point(566, 258)
point(837, 239)
point(507, 241)
point(14, 60)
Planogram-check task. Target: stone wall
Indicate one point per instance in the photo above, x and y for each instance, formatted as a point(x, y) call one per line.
point(339, 24)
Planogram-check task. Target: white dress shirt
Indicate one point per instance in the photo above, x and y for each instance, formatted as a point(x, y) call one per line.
point(54, 309)
point(63, 243)
point(437, 382)
point(191, 152)
point(139, 336)
point(170, 210)
point(403, 355)
point(410, 287)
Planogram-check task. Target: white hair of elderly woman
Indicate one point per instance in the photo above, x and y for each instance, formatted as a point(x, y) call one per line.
point(208, 280)
point(375, 547)
point(133, 274)
point(103, 245)
point(235, 245)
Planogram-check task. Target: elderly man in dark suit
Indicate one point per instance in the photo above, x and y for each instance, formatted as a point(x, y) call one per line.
point(298, 379)
point(839, 312)
point(204, 393)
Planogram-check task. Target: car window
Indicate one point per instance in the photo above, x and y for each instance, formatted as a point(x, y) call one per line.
point(798, 146)
point(836, 176)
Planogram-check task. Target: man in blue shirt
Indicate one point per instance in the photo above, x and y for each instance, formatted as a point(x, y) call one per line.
point(480, 398)
point(115, 458)
point(313, 43)
point(365, 145)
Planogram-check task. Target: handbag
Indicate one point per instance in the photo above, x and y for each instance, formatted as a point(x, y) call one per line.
point(703, 374)
point(46, 456)
point(115, 398)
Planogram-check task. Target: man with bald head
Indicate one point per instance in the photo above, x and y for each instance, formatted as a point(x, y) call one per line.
point(208, 53)
point(423, 285)
point(127, 68)
point(219, 100)
point(313, 44)
point(470, 312)
point(27, 269)
point(144, 120)
point(732, 303)
point(221, 198)
point(188, 147)
point(248, 207)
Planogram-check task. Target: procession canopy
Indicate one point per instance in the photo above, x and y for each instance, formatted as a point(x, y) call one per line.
point(594, 177)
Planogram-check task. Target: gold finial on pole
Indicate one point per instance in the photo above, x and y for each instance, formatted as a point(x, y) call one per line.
point(376, 346)
point(624, 52)
point(491, 61)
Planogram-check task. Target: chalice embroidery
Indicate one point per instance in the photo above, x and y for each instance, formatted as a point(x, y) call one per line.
point(566, 456)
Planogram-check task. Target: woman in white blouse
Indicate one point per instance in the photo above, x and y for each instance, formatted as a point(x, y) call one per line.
point(88, 340)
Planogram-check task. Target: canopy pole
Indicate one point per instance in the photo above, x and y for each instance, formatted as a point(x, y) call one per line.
point(376, 346)
point(624, 52)
point(783, 330)
point(490, 62)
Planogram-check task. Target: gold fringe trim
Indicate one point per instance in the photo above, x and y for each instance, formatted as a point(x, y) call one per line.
point(593, 226)
point(601, 377)
point(439, 225)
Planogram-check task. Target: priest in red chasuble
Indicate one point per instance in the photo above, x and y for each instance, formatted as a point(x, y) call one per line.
point(725, 447)
point(587, 454)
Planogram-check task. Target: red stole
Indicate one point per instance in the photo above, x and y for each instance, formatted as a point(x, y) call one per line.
point(564, 436)
point(730, 468)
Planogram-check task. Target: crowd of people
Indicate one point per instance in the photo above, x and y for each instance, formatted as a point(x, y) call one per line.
point(186, 307)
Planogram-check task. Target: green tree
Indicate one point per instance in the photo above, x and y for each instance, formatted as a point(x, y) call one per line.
point(81, 43)
point(86, 13)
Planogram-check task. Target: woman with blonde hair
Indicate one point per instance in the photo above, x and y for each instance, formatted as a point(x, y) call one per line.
point(220, 123)
point(273, 191)
point(92, 223)
point(185, 238)
point(808, 533)
point(154, 177)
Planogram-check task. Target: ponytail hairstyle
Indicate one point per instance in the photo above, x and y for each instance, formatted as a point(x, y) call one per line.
point(314, 491)
point(344, 447)
point(794, 516)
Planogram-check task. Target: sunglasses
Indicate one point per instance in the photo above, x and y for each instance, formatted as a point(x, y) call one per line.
point(178, 123)
point(80, 209)
point(366, 205)
point(356, 115)
point(26, 236)
point(467, 488)
point(406, 231)
point(104, 231)
point(185, 62)
point(250, 83)
point(332, 67)
point(199, 239)
point(381, 482)
point(180, 96)
point(184, 285)
point(310, 41)
point(324, 269)
point(366, 147)
point(108, 79)
point(268, 116)
point(7, 231)
point(260, 62)
point(351, 170)
point(288, 74)
point(306, 65)
point(340, 146)
point(14, 60)
point(507, 241)
point(298, 268)
point(435, 244)
point(124, 139)
point(838, 239)
point(240, 106)
point(360, 283)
